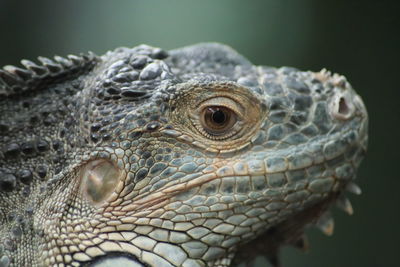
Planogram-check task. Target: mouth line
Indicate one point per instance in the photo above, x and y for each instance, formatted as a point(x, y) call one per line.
point(163, 196)
point(333, 149)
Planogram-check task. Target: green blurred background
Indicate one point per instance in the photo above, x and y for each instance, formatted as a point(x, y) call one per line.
point(358, 39)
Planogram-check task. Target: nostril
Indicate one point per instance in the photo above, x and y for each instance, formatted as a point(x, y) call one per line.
point(343, 107)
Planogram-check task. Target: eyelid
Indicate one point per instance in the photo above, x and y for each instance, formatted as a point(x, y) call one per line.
point(224, 102)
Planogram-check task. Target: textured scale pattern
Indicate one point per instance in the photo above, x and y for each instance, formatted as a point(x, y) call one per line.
point(107, 160)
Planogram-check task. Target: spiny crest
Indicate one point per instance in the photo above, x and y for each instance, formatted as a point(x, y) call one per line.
point(325, 223)
point(344, 204)
point(15, 80)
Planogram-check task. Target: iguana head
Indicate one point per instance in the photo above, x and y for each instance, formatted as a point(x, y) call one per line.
point(179, 158)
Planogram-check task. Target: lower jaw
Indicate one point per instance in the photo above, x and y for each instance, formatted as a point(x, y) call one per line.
point(287, 232)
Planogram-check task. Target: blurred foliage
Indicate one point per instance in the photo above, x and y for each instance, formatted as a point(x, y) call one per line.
point(355, 38)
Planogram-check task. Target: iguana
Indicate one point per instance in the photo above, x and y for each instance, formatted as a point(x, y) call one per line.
point(188, 157)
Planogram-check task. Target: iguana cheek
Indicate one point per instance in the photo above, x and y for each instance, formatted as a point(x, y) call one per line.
point(99, 178)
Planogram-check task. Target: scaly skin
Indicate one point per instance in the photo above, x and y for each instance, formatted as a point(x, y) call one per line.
point(192, 157)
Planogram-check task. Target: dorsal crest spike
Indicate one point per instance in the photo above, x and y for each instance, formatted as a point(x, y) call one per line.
point(344, 204)
point(353, 188)
point(51, 65)
point(21, 73)
point(15, 80)
point(75, 59)
point(9, 78)
point(63, 61)
point(326, 223)
point(34, 68)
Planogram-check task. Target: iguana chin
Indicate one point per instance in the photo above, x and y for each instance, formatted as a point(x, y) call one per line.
point(189, 157)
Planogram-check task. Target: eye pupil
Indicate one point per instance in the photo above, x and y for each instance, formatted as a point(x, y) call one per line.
point(218, 116)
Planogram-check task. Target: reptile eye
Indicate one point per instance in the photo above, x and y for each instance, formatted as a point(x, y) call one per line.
point(217, 120)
